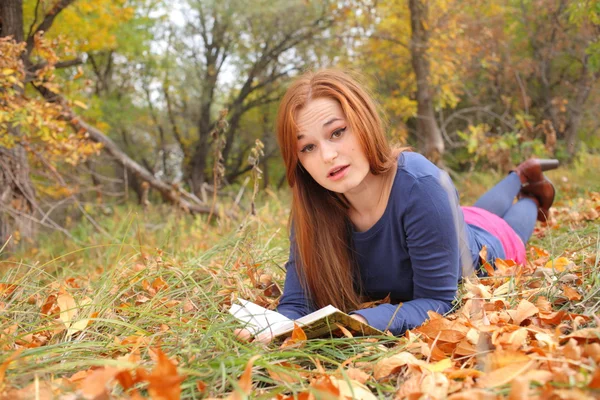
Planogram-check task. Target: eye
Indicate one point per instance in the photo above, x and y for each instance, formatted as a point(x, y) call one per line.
point(308, 148)
point(338, 133)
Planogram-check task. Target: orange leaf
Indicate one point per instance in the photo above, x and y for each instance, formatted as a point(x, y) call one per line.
point(94, 385)
point(245, 382)
point(325, 388)
point(358, 375)
point(560, 264)
point(595, 382)
point(6, 364)
point(571, 293)
point(159, 284)
point(503, 375)
point(164, 381)
point(523, 311)
point(344, 330)
point(584, 335)
point(298, 336)
point(390, 365)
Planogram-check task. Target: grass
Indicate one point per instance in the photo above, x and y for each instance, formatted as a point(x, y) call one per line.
point(164, 280)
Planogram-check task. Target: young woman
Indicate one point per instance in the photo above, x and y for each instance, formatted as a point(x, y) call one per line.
point(368, 221)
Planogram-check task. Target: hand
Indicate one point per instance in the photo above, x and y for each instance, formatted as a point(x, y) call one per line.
point(360, 318)
point(244, 335)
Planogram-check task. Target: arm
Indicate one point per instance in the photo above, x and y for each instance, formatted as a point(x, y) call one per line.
point(294, 302)
point(432, 241)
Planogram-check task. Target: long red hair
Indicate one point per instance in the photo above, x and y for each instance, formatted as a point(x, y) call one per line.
point(322, 229)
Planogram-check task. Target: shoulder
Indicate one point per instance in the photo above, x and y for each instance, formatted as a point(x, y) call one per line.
point(414, 166)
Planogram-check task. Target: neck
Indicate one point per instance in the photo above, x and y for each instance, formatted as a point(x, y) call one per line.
point(372, 192)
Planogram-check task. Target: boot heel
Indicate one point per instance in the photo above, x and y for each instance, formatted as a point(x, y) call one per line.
point(547, 165)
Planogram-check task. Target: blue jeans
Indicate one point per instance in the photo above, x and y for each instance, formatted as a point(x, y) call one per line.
point(499, 200)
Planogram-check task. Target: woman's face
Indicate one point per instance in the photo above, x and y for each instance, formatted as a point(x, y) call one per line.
point(327, 147)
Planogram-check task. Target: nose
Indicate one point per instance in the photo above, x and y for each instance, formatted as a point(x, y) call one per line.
point(328, 152)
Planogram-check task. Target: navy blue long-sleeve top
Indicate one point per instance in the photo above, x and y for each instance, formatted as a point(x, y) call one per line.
point(415, 252)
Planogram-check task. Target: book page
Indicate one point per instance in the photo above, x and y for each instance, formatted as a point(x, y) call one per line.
point(256, 318)
point(323, 323)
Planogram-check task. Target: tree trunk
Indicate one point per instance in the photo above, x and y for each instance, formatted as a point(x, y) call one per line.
point(430, 136)
point(17, 195)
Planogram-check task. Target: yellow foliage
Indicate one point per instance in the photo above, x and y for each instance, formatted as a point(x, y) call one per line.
point(90, 25)
point(452, 49)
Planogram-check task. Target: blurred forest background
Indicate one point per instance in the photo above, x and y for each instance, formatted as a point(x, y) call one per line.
point(108, 102)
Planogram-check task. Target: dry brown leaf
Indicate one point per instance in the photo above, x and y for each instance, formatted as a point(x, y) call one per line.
point(352, 389)
point(435, 384)
point(344, 330)
point(94, 385)
point(164, 382)
point(463, 373)
point(473, 394)
point(543, 305)
point(245, 381)
point(295, 376)
point(410, 387)
point(298, 337)
point(595, 382)
point(524, 310)
point(503, 358)
point(519, 389)
point(592, 350)
point(504, 375)
point(159, 284)
point(539, 376)
point(572, 350)
point(589, 335)
point(325, 388)
point(6, 364)
point(389, 365)
point(358, 375)
point(560, 264)
point(570, 293)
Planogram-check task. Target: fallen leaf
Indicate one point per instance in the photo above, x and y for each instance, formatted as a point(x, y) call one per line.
point(584, 335)
point(519, 389)
point(352, 389)
point(435, 384)
point(325, 388)
point(358, 375)
point(595, 382)
point(298, 337)
point(560, 264)
point(572, 350)
point(94, 385)
point(295, 375)
point(245, 381)
point(524, 310)
point(570, 293)
point(503, 375)
point(390, 365)
point(164, 382)
point(6, 364)
point(439, 366)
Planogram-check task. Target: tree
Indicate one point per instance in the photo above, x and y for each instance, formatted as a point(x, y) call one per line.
point(427, 128)
point(263, 43)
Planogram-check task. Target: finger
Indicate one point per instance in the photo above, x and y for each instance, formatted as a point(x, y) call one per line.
point(243, 334)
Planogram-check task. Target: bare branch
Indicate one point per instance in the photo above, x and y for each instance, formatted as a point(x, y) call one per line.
point(47, 22)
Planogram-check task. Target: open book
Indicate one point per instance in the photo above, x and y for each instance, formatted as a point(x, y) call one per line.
point(323, 322)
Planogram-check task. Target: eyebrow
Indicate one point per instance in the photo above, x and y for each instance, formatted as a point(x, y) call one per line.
point(329, 122)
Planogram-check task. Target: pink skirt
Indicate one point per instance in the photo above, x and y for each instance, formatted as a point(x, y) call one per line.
point(514, 248)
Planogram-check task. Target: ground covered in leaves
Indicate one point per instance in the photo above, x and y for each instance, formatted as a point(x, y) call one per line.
point(143, 316)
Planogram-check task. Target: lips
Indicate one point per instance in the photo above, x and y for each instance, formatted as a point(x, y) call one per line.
point(337, 171)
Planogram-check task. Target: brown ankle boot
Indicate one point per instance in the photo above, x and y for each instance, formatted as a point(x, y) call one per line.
point(531, 170)
point(542, 191)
